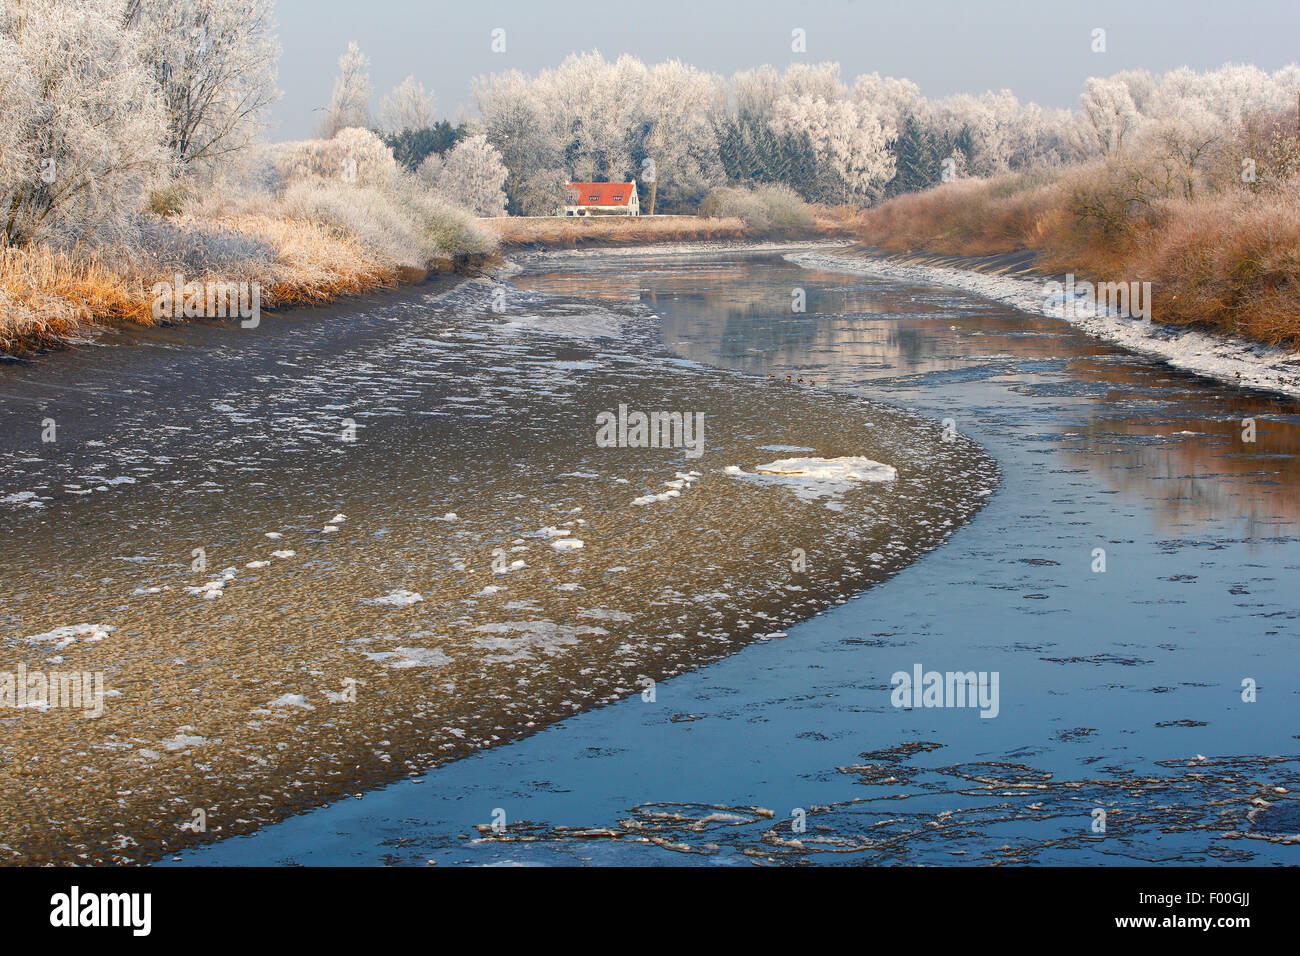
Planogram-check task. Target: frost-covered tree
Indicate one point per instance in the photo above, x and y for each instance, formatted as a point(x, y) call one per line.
point(350, 101)
point(214, 63)
point(1110, 112)
point(891, 99)
point(682, 107)
point(594, 108)
point(474, 177)
point(408, 106)
point(518, 126)
point(850, 141)
point(83, 130)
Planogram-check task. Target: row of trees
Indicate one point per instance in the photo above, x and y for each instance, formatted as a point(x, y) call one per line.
point(682, 131)
point(110, 98)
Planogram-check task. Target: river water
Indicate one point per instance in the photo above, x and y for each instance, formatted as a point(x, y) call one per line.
point(1131, 584)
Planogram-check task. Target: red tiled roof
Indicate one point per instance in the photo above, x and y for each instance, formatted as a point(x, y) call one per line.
point(600, 194)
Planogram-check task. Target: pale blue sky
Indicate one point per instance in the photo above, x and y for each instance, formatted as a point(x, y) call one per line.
point(1039, 50)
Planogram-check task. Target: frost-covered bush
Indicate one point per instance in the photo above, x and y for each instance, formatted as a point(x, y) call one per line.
point(473, 176)
point(353, 185)
point(195, 248)
point(363, 212)
point(766, 207)
point(429, 170)
point(354, 155)
point(453, 230)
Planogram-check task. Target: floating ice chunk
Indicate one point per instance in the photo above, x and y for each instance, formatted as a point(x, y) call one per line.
point(62, 637)
point(398, 598)
point(283, 554)
point(568, 544)
point(329, 529)
point(183, 742)
point(338, 519)
point(274, 535)
point(830, 469)
point(449, 516)
point(404, 657)
point(662, 496)
point(254, 565)
point(814, 478)
point(605, 614)
point(291, 700)
point(213, 589)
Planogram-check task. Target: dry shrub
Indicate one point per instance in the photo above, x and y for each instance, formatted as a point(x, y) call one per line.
point(765, 209)
point(1227, 262)
point(47, 296)
point(1231, 263)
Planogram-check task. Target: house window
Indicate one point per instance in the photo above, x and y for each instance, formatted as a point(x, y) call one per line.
point(594, 198)
point(618, 197)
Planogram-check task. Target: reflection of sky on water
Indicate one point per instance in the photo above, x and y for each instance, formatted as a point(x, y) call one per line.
point(1111, 683)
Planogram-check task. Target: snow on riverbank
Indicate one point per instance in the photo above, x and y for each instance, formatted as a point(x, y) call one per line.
point(1231, 360)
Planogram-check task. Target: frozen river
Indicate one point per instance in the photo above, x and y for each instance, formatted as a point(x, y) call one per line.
point(1132, 583)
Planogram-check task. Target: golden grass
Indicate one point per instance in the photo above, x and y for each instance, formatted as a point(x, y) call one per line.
point(560, 232)
point(47, 297)
point(1227, 262)
point(557, 232)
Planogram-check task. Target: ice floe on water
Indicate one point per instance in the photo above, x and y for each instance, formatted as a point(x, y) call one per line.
point(405, 657)
point(817, 478)
point(682, 481)
point(62, 637)
point(291, 700)
point(529, 637)
point(398, 598)
point(26, 499)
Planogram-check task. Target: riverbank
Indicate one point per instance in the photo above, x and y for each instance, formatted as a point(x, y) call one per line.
point(1220, 254)
point(52, 300)
point(1015, 279)
point(555, 232)
point(414, 548)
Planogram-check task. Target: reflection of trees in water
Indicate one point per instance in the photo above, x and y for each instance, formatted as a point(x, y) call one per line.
point(1209, 476)
point(738, 314)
